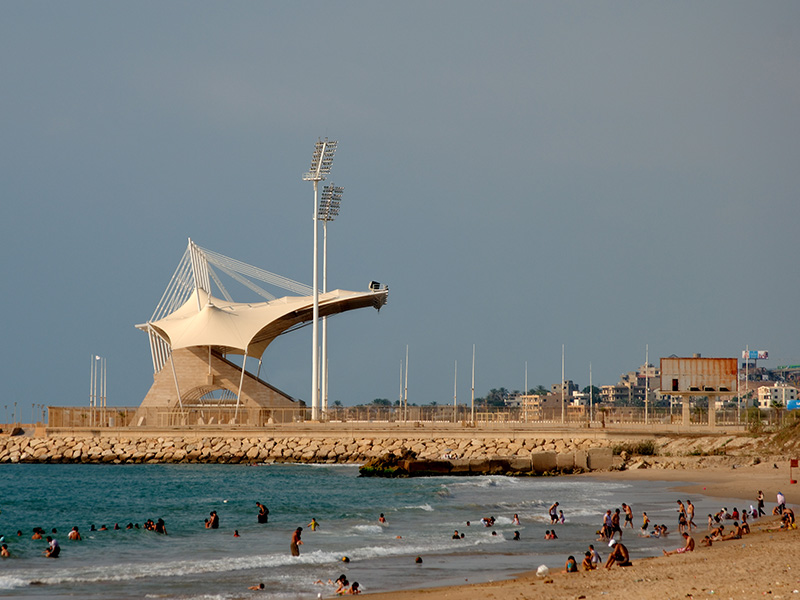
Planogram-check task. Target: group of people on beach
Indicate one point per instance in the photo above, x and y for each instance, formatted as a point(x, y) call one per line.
point(611, 531)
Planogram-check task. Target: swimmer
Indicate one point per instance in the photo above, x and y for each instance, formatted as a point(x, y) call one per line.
point(313, 525)
point(160, 527)
point(515, 520)
point(418, 560)
point(354, 589)
point(74, 535)
point(213, 521)
point(516, 536)
point(235, 533)
point(4, 553)
point(382, 519)
point(260, 586)
point(456, 536)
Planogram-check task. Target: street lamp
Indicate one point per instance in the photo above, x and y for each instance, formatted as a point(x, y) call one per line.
point(321, 163)
point(328, 210)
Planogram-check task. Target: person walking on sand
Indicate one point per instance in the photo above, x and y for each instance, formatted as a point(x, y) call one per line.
point(781, 502)
point(296, 542)
point(761, 511)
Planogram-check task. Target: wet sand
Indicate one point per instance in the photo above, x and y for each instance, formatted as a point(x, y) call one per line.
point(765, 563)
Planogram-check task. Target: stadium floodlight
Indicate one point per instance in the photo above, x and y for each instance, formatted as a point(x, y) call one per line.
point(321, 163)
point(329, 203)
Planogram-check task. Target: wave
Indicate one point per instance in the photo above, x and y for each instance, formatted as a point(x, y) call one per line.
point(425, 507)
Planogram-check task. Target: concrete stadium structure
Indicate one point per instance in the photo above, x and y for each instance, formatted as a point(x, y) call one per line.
point(193, 332)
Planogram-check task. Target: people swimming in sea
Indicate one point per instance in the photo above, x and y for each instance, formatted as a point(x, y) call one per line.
point(550, 534)
point(456, 536)
point(314, 524)
point(236, 533)
point(382, 519)
point(74, 534)
point(213, 520)
point(260, 586)
point(516, 536)
point(160, 527)
point(4, 553)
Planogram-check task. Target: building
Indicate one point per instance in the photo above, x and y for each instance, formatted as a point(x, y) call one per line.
point(777, 394)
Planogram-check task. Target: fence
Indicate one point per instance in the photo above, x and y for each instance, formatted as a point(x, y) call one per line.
point(229, 416)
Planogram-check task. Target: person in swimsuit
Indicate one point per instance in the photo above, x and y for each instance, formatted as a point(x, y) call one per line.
point(296, 542)
point(628, 515)
point(619, 555)
point(687, 547)
point(587, 563)
point(553, 513)
point(313, 525)
point(571, 566)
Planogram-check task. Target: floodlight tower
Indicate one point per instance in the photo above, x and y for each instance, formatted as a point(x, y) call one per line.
point(321, 163)
point(329, 204)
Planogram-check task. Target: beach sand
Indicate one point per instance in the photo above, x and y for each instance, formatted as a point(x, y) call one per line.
point(764, 564)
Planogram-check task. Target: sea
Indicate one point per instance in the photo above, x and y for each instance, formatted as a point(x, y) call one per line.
point(192, 562)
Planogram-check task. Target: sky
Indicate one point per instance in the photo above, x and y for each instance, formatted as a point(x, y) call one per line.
point(612, 177)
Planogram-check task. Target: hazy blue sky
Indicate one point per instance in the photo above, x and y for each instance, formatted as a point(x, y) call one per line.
point(523, 175)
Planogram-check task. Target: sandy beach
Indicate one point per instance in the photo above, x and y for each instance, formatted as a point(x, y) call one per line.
point(765, 563)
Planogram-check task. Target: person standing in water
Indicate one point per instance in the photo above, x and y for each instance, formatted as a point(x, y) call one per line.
point(263, 513)
point(296, 542)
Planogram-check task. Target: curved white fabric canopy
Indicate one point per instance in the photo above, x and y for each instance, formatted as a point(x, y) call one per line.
point(248, 328)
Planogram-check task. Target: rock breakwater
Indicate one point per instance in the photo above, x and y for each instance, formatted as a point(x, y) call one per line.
point(139, 448)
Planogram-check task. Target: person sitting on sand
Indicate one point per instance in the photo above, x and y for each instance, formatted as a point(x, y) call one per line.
point(744, 524)
point(341, 585)
point(571, 566)
point(596, 560)
point(706, 541)
point(619, 555)
point(787, 519)
point(260, 586)
point(687, 547)
point(717, 533)
point(354, 589)
point(735, 534)
point(587, 563)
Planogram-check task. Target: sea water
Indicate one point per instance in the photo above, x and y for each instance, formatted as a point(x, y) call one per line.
point(194, 562)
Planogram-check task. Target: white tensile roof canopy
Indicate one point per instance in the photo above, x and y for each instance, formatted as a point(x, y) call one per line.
point(189, 315)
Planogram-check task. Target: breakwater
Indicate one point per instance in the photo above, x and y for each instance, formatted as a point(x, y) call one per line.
point(317, 447)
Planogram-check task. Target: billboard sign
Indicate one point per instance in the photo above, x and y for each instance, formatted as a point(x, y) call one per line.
point(755, 354)
point(697, 375)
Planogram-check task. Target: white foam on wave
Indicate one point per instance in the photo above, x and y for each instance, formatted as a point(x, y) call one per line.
point(128, 572)
point(8, 582)
point(368, 528)
point(426, 507)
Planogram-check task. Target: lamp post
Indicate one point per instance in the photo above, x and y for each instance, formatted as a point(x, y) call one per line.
point(321, 163)
point(328, 210)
